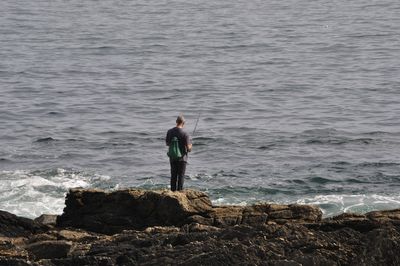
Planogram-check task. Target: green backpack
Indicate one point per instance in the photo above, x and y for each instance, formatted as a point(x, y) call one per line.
point(174, 152)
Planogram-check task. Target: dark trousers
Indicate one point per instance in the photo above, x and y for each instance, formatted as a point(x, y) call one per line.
point(178, 169)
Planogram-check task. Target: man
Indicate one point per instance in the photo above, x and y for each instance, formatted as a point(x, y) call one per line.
point(178, 167)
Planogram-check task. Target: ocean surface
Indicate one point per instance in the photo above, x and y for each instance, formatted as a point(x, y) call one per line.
point(297, 101)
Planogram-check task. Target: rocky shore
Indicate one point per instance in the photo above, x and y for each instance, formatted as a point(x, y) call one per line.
point(142, 227)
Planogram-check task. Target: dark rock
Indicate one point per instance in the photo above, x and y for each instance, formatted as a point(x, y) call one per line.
point(125, 260)
point(50, 249)
point(382, 246)
point(14, 226)
point(200, 219)
point(78, 261)
point(42, 237)
point(7, 261)
point(284, 263)
point(195, 227)
point(112, 212)
point(182, 228)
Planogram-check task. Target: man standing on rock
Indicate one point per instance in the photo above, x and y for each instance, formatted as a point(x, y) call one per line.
point(184, 145)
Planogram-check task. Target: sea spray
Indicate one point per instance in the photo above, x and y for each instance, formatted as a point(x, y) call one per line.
point(32, 193)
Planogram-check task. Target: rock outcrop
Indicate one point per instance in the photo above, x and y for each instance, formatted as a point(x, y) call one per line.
point(112, 212)
point(139, 227)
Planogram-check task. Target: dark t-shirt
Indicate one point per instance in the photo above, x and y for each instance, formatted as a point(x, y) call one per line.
point(183, 139)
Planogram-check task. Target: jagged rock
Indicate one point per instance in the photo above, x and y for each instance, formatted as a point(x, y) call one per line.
point(14, 226)
point(264, 213)
point(183, 228)
point(359, 222)
point(111, 212)
point(11, 253)
point(227, 215)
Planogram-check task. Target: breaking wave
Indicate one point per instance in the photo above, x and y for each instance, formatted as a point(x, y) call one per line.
point(32, 193)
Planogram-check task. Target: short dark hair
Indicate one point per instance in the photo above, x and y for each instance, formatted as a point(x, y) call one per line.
point(180, 119)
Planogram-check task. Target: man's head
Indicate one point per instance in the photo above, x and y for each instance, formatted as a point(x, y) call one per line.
point(180, 120)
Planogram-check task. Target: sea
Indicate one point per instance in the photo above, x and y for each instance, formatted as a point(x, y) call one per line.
point(295, 101)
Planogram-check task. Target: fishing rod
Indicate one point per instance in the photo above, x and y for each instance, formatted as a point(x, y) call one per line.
point(197, 121)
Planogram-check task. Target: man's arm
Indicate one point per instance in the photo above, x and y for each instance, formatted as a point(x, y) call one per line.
point(189, 147)
point(188, 143)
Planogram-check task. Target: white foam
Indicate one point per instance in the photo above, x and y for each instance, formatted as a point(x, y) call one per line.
point(31, 194)
point(230, 201)
point(336, 204)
